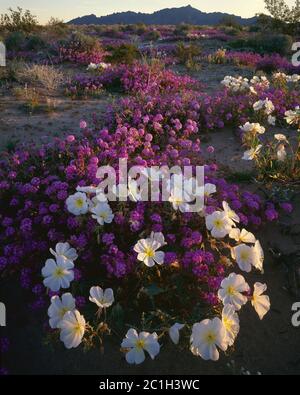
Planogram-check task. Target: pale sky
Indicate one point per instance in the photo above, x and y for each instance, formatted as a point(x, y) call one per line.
point(68, 9)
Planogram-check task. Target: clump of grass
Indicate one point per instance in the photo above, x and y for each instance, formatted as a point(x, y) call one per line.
point(30, 96)
point(188, 55)
point(218, 57)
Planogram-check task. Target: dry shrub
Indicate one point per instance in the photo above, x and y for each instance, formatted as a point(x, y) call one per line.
point(46, 77)
point(11, 72)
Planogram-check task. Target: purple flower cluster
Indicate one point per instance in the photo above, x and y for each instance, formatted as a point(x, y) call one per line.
point(273, 62)
point(150, 130)
point(132, 79)
point(81, 57)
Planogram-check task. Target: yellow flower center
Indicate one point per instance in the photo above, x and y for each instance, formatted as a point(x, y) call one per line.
point(218, 224)
point(231, 291)
point(244, 256)
point(176, 199)
point(140, 344)
point(59, 272)
point(79, 203)
point(104, 215)
point(210, 337)
point(150, 252)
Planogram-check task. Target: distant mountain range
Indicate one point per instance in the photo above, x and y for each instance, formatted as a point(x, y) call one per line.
point(167, 16)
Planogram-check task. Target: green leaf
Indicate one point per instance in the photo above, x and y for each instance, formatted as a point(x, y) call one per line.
point(153, 290)
point(117, 315)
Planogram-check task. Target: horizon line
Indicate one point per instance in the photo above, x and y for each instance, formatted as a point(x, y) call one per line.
point(166, 8)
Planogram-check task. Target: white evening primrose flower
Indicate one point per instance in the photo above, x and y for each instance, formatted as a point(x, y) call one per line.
point(179, 201)
point(206, 336)
point(266, 104)
point(159, 237)
point(231, 323)
point(209, 189)
point(255, 80)
point(269, 106)
point(77, 204)
point(252, 153)
point(102, 213)
point(253, 128)
point(64, 250)
point(292, 117)
point(280, 137)
point(230, 213)
point(102, 299)
point(232, 289)
point(219, 224)
point(92, 203)
point(259, 105)
point(281, 153)
point(260, 80)
point(59, 307)
point(236, 84)
point(137, 344)
point(147, 252)
point(271, 120)
point(104, 65)
point(260, 302)
point(243, 255)
point(279, 75)
point(72, 329)
point(242, 236)
point(92, 66)
point(258, 256)
point(294, 78)
point(257, 128)
point(174, 332)
point(58, 274)
point(178, 194)
point(101, 196)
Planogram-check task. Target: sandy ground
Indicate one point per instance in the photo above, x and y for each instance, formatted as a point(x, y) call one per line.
point(18, 126)
point(270, 347)
point(211, 75)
